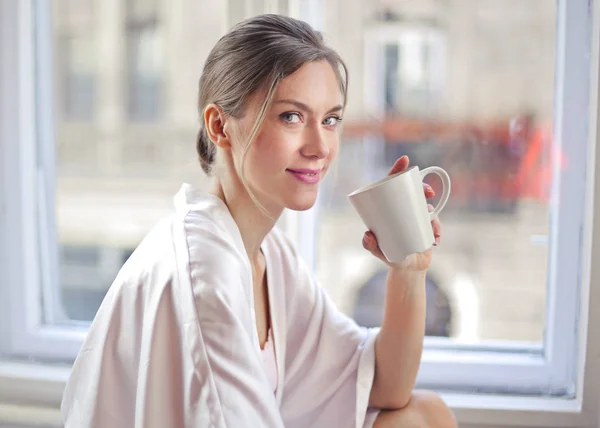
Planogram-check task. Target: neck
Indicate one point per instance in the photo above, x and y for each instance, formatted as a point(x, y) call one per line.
point(253, 223)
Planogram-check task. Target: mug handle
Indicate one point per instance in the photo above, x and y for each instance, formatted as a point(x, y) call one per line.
point(446, 187)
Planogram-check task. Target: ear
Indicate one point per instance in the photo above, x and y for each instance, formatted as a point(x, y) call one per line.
point(214, 121)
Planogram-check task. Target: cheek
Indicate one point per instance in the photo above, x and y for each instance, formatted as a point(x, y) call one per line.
point(276, 144)
point(334, 147)
point(268, 153)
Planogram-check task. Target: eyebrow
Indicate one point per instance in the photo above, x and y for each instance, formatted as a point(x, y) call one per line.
point(306, 108)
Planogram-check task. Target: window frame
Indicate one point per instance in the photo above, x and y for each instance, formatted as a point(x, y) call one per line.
point(38, 384)
point(29, 239)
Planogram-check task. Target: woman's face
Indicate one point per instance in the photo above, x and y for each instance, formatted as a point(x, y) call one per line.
point(297, 141)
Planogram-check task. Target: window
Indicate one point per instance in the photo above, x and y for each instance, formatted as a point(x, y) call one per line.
point(488, 91)
point(144, 60)
point(76, 54)
point(78, 78)
point(82, 193)
point(496, 92)
point(411, 76)
point(470, 87)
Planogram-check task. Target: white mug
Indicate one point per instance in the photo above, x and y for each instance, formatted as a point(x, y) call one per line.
point(395, 210)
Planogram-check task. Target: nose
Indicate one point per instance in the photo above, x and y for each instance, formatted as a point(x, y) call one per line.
point(315, 144)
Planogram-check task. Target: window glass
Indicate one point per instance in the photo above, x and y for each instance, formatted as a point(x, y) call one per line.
point(144, 60)
point(119, 164)
point(467, 86)
point(75, 59)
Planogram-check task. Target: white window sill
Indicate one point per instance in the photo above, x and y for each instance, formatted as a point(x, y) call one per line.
point(34, 416)
point(31, 394)
point(483, 410)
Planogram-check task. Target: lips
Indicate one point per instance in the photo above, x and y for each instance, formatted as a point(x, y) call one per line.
point(307, 176)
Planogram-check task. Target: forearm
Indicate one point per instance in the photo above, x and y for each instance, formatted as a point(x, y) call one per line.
point(399, 344)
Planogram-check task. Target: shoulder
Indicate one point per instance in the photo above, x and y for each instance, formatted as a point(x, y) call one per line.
point(199, 241)
point(207, 239)
point(143, 287)
point(153, 258)
point(204, 219)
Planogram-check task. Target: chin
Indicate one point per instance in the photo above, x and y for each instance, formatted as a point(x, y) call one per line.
point(302, 203)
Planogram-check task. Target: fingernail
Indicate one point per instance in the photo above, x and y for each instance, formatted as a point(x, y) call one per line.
point(437, 241)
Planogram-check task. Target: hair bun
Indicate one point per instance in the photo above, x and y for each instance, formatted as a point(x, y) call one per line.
point(206, 151)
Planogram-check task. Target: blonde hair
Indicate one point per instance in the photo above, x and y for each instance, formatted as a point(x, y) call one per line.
point(255, 55)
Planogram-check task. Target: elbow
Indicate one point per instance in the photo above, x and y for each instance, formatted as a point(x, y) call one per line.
point(401, 401)
point(396, 401)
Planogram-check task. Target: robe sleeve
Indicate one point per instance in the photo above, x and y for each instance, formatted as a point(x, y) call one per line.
point(171, 345)
point(131, 371)
point(330, 360)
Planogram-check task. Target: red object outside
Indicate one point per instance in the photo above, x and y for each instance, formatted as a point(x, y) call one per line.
point(507, 165)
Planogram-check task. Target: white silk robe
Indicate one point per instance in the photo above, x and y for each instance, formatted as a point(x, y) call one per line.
point(174, 343)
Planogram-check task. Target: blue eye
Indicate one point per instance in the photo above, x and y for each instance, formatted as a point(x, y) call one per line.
point(332, 121)
point(291, 117)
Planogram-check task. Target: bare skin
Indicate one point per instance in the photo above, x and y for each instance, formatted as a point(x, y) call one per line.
point(261, 301)
point(424, 410)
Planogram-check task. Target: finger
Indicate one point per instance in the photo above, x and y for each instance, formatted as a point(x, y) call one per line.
point(370, 243)
point(428, 190)
point(437, 229)
point(436, 225)
point(400, 165)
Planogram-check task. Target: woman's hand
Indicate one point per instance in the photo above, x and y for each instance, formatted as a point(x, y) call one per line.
point(415, 262)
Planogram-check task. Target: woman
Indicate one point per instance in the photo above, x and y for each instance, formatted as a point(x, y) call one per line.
point(214, 321)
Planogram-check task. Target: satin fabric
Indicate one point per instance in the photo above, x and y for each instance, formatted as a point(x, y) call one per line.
point(174, 343)
point(269, 361)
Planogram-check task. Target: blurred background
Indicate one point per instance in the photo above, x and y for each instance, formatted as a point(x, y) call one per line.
point(464, 84)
